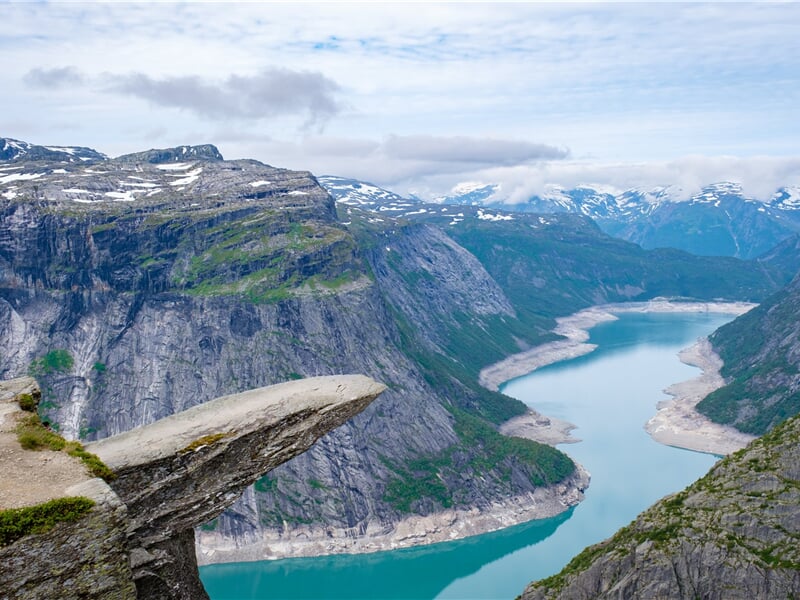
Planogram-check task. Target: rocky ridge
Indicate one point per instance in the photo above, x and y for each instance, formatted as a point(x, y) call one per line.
point(720, 220)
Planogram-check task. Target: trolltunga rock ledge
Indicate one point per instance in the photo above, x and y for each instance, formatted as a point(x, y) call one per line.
point(185, 469)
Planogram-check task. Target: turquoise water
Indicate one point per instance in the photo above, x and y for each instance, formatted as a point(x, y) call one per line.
point(609, 394)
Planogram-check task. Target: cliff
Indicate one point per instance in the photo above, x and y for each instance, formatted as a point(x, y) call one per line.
point(735, 533)
point(168, 477)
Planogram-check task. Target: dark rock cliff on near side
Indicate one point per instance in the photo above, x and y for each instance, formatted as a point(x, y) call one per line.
point(734, 534)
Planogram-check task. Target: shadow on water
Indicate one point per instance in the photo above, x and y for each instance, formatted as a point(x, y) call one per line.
point(419, 573)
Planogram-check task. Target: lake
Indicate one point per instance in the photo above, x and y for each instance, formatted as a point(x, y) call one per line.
point(609, 394)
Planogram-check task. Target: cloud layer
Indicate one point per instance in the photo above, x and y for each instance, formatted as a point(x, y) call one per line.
point(417, 94)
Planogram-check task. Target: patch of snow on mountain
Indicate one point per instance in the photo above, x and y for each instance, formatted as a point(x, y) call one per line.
point(260, 183)
point(187, 178)
point(19, 177)
point(493, 217)
point(126, 196)
point(175, 166)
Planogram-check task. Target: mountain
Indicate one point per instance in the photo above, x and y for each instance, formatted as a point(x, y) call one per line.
point(16, 151)
point(719, 221)
point(732, 534)
point(761, 355)
point(136, 287)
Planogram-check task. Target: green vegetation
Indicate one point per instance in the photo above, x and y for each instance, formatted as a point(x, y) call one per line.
point(33, 435)
point(59, 361)
point(206, 440)
point(16, 523)
point(482, 451)
point(761, 366)
point(27, 402)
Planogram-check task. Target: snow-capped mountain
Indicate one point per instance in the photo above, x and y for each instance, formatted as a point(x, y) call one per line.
point(719, 220)
point(471, 193)
point(361, 194)
point(16, 150)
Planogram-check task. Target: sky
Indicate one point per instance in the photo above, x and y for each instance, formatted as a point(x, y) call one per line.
point(418, 97)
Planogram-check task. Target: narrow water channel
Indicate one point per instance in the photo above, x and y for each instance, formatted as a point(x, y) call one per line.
point(609, 394)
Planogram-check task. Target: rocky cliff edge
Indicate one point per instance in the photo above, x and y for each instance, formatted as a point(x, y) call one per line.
point(137, 540)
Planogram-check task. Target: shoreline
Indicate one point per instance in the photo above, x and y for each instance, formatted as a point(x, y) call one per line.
point(444, 526)
point(676, 422)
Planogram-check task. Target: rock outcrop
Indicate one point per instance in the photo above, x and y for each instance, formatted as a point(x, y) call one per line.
point(171, 476)
point(734, 534)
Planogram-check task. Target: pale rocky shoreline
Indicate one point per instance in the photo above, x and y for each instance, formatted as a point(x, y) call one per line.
point(443, 526)
point(675, 424)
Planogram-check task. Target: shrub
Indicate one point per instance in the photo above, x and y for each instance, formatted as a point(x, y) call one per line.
point(32, 435)
point(19, 522)
point(27, 402)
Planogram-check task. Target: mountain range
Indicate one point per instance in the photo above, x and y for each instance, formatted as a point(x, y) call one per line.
point(718, 221)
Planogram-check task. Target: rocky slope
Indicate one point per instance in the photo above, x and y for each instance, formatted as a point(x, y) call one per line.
point(761, 355)
point(140, 286)
point(735, 533)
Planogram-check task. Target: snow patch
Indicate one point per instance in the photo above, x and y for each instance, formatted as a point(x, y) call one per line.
point(188, 178)
point(259, 183)
point(297, 193)
point(175, 166)
point(126, 196)
point(19, 177)
point(483, 216)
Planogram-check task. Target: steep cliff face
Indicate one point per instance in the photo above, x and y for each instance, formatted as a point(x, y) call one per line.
point(761, 355)
point(735, 533)
point(134, 289)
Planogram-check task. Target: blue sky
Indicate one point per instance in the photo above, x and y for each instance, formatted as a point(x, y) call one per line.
point(420, 96)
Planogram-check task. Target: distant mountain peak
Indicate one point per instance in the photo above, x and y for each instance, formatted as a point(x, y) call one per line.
point(12, 150)
point(173, 155)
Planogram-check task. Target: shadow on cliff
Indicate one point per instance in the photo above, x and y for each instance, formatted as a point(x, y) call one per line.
point(418, 573)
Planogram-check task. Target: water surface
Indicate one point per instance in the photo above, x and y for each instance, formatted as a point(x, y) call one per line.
point(609, 394)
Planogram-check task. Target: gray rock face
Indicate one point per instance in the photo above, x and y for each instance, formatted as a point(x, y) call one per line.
point(87, 559)
point(733, 534)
